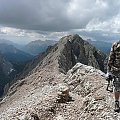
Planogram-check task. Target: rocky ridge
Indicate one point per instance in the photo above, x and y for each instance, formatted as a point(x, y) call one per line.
point(74, 49)
point(89, 98)
point(64, 55)
point(36, 97)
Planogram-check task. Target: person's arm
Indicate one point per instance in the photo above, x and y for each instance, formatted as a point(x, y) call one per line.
point(111, 59)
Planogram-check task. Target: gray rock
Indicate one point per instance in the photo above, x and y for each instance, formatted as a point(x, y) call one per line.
point(75, 49)
point(63, 93)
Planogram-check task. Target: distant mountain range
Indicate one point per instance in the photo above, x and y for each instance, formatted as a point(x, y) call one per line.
point(6, 42)
point(13, 54)
point(33, 48)
point(9, 42)
point(38, 46)
point(12, 62)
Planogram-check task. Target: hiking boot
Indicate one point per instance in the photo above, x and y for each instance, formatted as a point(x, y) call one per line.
point(117, 108)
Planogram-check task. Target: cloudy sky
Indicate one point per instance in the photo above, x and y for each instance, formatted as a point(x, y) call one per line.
point(26, 20)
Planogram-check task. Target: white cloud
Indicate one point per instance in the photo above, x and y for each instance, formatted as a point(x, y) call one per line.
point(19, 32)
point(111, 25)
point(31, 34)
point(12, 31)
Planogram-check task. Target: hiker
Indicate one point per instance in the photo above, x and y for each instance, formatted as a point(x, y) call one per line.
point(113, 69)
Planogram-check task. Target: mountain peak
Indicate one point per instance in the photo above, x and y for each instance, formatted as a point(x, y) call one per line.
point(64, 55)
point(71, 38)
point(74, 49)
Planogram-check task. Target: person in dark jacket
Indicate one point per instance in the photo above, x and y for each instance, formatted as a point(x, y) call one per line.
point(113, 69)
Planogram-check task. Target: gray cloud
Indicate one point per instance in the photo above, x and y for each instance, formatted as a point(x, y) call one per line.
point(37, 15)
point(55, 15)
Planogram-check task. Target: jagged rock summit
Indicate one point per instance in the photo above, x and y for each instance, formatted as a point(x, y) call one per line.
point(75, 49)
point(59, 87)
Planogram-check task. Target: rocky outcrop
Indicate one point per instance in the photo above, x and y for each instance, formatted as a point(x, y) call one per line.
point(89, 85)
point(75, 49)
point(63, 94)
point(87, 90)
